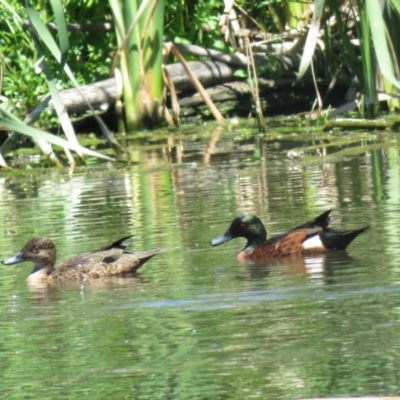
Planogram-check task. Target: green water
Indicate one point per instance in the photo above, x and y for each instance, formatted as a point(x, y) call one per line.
point(194, 323)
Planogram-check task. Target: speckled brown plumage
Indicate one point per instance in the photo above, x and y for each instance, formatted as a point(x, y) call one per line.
point(106, 261)
point(308, 238)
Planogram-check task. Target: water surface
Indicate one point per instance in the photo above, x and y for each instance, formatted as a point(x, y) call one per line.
point(194, 323)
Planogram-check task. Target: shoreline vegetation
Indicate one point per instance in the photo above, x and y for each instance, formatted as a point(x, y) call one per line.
point(322, 60)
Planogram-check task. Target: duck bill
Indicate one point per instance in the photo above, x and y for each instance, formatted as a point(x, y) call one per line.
point(226, 237)
point(18, 258)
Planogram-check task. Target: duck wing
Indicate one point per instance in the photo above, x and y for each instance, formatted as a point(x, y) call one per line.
point(108, 254)
point(103, 263)
point(321, 221)
point(291, 243)
point(119, 244)
point(299, 234)
point(106, 261)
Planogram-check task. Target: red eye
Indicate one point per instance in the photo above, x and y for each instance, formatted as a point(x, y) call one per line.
point(242, 225)
point(36, 249)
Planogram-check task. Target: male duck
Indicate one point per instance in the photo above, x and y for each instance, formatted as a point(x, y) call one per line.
point(106, 261)
point(309, 238)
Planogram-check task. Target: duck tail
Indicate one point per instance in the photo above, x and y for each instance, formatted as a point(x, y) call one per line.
point(144, 256)
point(339, 240)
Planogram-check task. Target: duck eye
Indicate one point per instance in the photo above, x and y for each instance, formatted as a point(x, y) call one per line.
point(36, 249)
point(242, 225)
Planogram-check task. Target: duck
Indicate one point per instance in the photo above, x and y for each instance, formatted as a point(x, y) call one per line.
point(105, 261)
point(311, 237)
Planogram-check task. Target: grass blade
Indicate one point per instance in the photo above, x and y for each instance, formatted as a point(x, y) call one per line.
point(312, 37)
point(12, 123)
point(378, 32)
point(62, 30)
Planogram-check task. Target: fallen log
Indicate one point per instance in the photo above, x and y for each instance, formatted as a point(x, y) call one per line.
point(101, 95)
point(232, 97)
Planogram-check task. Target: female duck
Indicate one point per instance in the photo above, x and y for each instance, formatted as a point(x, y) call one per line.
point(106, 261)
point(311, 237)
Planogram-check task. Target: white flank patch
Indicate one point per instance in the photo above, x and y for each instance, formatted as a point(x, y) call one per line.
point(313, 243)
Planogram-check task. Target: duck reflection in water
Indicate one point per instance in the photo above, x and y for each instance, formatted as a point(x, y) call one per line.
point(320, 267)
